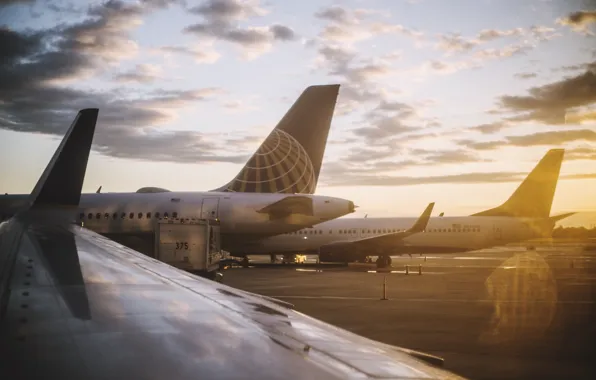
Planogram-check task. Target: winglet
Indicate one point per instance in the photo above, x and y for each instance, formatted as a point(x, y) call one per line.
point(422, 221)
point(98, 190)
point(62, 180)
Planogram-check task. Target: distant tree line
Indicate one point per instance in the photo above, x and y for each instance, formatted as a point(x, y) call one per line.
point(574, 233)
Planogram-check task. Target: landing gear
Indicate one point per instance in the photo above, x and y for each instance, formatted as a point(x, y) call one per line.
point(273, 259)
point(288, 259)
point(383, 261)
point(245, 262)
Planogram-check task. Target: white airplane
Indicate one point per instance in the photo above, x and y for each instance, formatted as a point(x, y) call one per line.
point(271, 195)
point(525, 215)
point(76, 305)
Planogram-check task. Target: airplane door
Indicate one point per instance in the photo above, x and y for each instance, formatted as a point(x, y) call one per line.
point(210, 208)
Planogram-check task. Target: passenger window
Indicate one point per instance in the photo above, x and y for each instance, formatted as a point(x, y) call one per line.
point(81, 216)
point(98, 216)
point(106, 215)
point(140, 215)
point(148, 215)
point(157, 215)
point(165, 215)
point(123, 215)
point(174, 215)
point(115, 215)
point(90, 216)
point(131, 215)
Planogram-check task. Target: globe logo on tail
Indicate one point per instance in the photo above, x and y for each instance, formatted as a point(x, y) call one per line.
point(280, 165)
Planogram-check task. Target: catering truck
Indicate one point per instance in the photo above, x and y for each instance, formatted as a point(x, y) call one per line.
point(190, 244)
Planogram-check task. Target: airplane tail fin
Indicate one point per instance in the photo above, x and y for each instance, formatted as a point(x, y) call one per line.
point(290, 158)
point(62, 180)
point(534, 197)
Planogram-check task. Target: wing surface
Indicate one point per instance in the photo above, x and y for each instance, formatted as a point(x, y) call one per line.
point(84, 307)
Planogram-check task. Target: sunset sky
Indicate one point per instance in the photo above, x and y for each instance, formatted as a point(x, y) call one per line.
point(434, 94)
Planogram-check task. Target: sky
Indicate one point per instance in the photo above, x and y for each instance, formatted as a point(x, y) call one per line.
point(445, 101)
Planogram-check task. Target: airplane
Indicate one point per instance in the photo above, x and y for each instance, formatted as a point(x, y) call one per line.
point(524, 216)
point(76, 305)
point(272, 194)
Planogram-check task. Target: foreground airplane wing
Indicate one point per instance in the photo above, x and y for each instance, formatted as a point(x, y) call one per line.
point(76, 305)
point(82, 306)
point(385, 241)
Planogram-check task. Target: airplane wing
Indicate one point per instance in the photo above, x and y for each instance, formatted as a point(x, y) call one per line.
point(294, 204)
point(76, 305)
point(384, 241)
point(82, 306)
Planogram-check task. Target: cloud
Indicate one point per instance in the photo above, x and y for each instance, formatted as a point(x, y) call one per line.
point(591, 66)
point(201, 54)
point(221, 21)
point(456, 43)
point(142, 73)
point(344, 179)
point(507, 51)
point(492, 34)
point(525, 75)
point(549, 104)
point(581, 154)
point(33, 99)
point(6, 3)
point(490, 127)
point(552, 138)
point(579, 21)
point(352, 25)
point(472, 53)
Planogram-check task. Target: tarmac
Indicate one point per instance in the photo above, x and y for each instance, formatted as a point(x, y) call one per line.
point(504, 313)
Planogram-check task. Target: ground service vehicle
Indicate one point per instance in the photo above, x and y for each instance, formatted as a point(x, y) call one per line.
point(190, 244)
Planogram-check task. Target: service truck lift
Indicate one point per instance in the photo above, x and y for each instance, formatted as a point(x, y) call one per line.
point(190, 244)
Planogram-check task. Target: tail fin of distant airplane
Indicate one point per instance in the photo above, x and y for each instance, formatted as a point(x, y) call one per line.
point(62, 180)
point(290, 158)
point(534, 197)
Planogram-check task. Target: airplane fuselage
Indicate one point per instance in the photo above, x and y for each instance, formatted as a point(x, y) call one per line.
point(442, 235)
point(135, 214)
